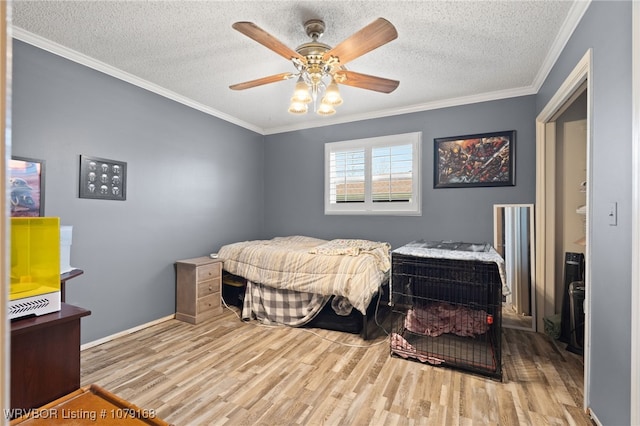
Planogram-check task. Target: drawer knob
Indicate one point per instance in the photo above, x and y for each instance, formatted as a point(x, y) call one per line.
point(210, 288)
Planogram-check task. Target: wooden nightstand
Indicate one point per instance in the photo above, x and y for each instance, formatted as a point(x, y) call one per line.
point(198, 285)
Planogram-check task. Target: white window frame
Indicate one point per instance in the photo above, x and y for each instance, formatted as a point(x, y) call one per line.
point(368, 207)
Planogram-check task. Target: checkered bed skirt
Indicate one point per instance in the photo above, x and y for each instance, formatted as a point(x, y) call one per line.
point(273, 306)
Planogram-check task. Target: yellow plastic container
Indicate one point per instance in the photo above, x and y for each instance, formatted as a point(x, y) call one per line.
point(35, 256)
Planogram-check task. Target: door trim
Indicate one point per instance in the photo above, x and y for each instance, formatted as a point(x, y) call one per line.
point(635, 216)
point(545, 203)
point(5, 149)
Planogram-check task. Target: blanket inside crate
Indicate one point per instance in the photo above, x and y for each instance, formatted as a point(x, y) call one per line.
point(439, 318)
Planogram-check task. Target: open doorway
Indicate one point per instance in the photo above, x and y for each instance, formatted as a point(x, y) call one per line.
point(560, 226)
point(570, 218)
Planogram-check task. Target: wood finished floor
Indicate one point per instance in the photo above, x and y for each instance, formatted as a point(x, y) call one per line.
point(224, 371)
point(511, 319)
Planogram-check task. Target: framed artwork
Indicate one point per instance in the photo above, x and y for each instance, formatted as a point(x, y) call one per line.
point(102, 179)
point(26, 186)
point(485, 159)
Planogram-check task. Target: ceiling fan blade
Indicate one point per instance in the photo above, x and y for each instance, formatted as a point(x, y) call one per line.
point(374, 35)
point(364, 81)
point(260, 81)
point(256, 33)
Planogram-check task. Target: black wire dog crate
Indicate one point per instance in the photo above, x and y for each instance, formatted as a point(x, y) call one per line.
point(447, 312)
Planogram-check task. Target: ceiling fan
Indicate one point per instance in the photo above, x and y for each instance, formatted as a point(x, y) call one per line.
point(319, 67)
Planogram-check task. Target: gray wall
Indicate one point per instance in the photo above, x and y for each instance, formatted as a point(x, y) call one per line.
point(194, 183)
point(294, 177)
point(606, 27)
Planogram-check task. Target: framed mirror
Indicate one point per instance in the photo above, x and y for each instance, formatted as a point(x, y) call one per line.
point(513, 239)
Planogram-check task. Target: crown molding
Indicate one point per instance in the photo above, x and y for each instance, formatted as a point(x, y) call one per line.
point(569, 25)
point(72, 55)
point(445, 103)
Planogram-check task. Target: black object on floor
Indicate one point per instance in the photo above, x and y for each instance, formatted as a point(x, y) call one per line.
point(573, 271)
point(576, 296)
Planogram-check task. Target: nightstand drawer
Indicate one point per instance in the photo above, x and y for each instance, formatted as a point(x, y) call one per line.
point(209, 272)
point(206, 288)
point(210, 304)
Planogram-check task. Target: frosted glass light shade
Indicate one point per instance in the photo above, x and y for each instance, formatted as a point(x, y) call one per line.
point(332, 94)
point(301, 92)
point(326, 109)
point(297, 107)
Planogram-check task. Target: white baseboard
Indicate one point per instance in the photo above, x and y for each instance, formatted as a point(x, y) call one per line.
point(594, 418)
point(125, 332)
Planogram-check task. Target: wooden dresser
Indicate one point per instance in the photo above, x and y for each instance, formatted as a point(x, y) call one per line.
point(45, 356)
point(198, 289)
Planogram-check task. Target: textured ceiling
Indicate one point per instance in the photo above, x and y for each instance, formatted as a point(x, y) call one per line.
point(446, 53)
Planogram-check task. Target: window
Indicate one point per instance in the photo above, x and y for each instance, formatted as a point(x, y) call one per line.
point(379, 176)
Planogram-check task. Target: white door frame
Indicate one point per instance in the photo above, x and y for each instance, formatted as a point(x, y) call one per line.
point(635, 217)
point(5, 149)
point(545, 204)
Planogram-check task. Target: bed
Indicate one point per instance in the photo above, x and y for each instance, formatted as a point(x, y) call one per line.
point(304, 281)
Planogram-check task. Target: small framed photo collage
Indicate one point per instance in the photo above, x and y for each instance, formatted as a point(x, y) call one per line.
point(102, 179)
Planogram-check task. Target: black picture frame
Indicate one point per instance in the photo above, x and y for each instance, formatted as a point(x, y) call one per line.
point(102, 179)
point(26, 187)
point(484, 159)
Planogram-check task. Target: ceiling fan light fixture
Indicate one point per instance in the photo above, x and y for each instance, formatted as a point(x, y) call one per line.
point(332, 94)
point(297, 108)
point(301, 92)
point(317, 62)
point(325, 109)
